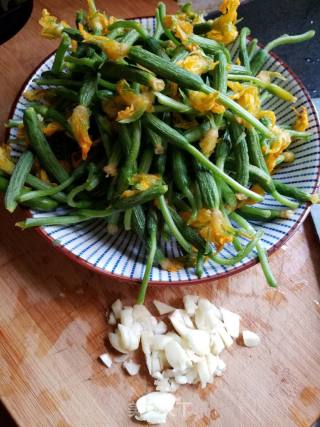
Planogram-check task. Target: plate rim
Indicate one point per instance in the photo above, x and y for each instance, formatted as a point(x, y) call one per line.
point(219, 276)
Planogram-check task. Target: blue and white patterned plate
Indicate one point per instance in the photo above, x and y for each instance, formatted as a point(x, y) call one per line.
point(123, 257)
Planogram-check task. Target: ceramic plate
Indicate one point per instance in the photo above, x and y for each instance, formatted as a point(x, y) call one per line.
point(123, 256)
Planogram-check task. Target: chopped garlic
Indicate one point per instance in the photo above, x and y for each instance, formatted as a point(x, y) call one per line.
point(250, 339)
point(154, 407)
point(160, 341)
point(217, 345)
point(131, 367)
point(190, 303)
point(181, 321)
point(126, 316)
point(130, 336)
point(162, 307)
point(116, 308)
point(226, 338)
point(116, 342)
point(143, 316)
point(112, 319)
point(160, 328)
point(231, 322)
point(176, 356)
point(106, 359)
point(198, 341)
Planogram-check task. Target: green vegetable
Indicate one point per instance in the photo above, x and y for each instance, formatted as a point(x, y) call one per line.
point(41, 147)
point(17, 180)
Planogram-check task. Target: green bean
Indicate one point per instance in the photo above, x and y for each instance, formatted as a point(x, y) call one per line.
point(129, 24)
point(173, 104)
point(180, 141)
point(240, 148)
point(152, 228)
point(270, 87)
point(51, 220)
point(123, 71)
point(52, 114)
point(196, 133)
point(159, 30)
point(209, 46)
point(241, 254)
point(264, 214)
point(161, 14)
point(243, 53)
point(43, 81)
point(130, 165)
point(181, 178)
point(255, 153)
point(199, 264)
point(53, 190)
point(261, 56)
point(295, 192)
point(41, 147)
point(220, 78)
point(145, 160)
point(172, 226)
point(170, 71)
point(60, 53)
point(155, 46)
point(17, 180)
point(108, 85)
point(262, 253)
point(104, 127)
point(251, 48)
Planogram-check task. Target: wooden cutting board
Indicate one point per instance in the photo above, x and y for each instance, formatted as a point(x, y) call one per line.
point(53, 326)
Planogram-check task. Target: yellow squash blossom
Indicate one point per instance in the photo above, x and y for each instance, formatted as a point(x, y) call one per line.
point(179, 25)
point(278, 145)
point(209, 141)
point(180, 122)
point(268, 114)
point(128, 105)
point(171, 264)
point(143, 181)
point(197, 63)
point(204, 103)
point(112, 48)
point(6, 164)
point(52, 128)
point(246, 96)
point(213, 226)
point(51, 27)
point(42, 174)
point(98, 21)
point(80, 123)
point(38, 94)
point(302, 121)
point(266, 76)
point(224, 28)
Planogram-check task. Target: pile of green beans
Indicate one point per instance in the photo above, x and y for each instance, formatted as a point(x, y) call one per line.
point(129, 146)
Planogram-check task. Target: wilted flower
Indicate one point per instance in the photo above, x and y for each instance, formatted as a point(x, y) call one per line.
point(80, 124)
point(224, 28)
point(51, 27)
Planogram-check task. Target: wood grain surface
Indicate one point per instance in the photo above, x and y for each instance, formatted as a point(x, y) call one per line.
point(53, 327)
